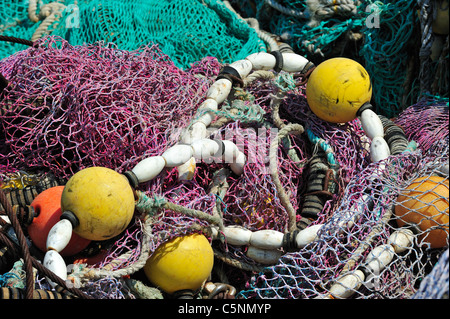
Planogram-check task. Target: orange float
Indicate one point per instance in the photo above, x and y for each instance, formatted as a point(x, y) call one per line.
point(92, 260)
point(425, 204)
point(48, 205)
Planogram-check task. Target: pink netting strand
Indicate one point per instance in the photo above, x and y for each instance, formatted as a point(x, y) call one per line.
point(70, 107)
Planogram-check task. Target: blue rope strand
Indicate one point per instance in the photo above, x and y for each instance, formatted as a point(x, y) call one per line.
point(323, 145)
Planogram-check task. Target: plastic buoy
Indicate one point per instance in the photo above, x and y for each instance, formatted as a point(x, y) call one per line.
point(101, 199)
point(425, 204)
point(182, 263)
point(92, 260)
point(48, 205)
point(337, 88)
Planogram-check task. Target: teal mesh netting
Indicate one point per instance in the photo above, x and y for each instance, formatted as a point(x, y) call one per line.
point(384, 36)
point(186, 30)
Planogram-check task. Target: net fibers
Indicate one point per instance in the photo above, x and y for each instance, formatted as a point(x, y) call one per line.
point(310, 272)
point(389, 38)
point(69, 107)
point(186, 30)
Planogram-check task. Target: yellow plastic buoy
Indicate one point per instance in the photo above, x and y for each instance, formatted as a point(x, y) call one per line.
point(337, 88)
point(182, 263)
point(101, 199)
point(425, 204)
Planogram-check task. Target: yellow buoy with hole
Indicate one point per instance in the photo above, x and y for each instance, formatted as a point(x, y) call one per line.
point(425, 204)
point(101, 199)
point(337, 88)
point(182, 263)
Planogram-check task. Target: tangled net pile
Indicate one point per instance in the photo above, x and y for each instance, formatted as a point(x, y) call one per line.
point(68, 107)
point(378, 34)
point(202, 28)
point(71, 107)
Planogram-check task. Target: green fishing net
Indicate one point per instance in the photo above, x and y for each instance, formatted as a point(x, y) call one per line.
point(389, 38)
point(186, 30)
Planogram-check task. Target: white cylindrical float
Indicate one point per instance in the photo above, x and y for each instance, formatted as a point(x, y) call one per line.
point(347, 285)
point(206, 117)
point(198, 130)
point(243, 67)
point(237, 235)
point(204, 149)
point(186, 171)
point(263, 256)
point(371, 124)
point(230, 151)
point(401, 240)
point(177, 155)
point(379, 258)
point(149, 168)
point(293, 62)
point(54, 262)
point(219, 90)
point(59, 235)
point(238, 165)
point(267, 239)
point(379, 149)
point(262, 61)
point(307, 235)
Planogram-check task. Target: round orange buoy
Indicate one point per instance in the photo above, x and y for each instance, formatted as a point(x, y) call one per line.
point(48, 205)
point(425, 204)
point(182, 263)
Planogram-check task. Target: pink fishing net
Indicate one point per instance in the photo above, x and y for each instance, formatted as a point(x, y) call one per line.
point(69, 107)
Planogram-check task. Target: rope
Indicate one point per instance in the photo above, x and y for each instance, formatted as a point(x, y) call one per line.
point(324, 146)
point(12, 214)
point(16, 40)
point(236, 263)
point(426, 20)
point(148, 205)
point(49, 13)
point(296, 129)
point(45, 271)
point(87, 274)
point(287, 11)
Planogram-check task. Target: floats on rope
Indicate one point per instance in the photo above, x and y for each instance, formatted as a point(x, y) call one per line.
point(338, 91)
point(97, 203)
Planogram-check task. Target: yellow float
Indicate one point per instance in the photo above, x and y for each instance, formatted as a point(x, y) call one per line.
point(182, 263)
point(337, 88)
point(425, 204)
point(102, 201)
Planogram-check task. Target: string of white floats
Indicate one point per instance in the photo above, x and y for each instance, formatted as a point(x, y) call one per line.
point(195, 145)
point(377, 260)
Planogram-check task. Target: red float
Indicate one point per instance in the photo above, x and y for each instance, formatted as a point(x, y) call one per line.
point(48, 206)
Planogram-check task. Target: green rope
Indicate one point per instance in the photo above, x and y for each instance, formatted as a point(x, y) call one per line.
point(152, 205)
point(149, 205)
point(285, 81)
point(325, 146)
